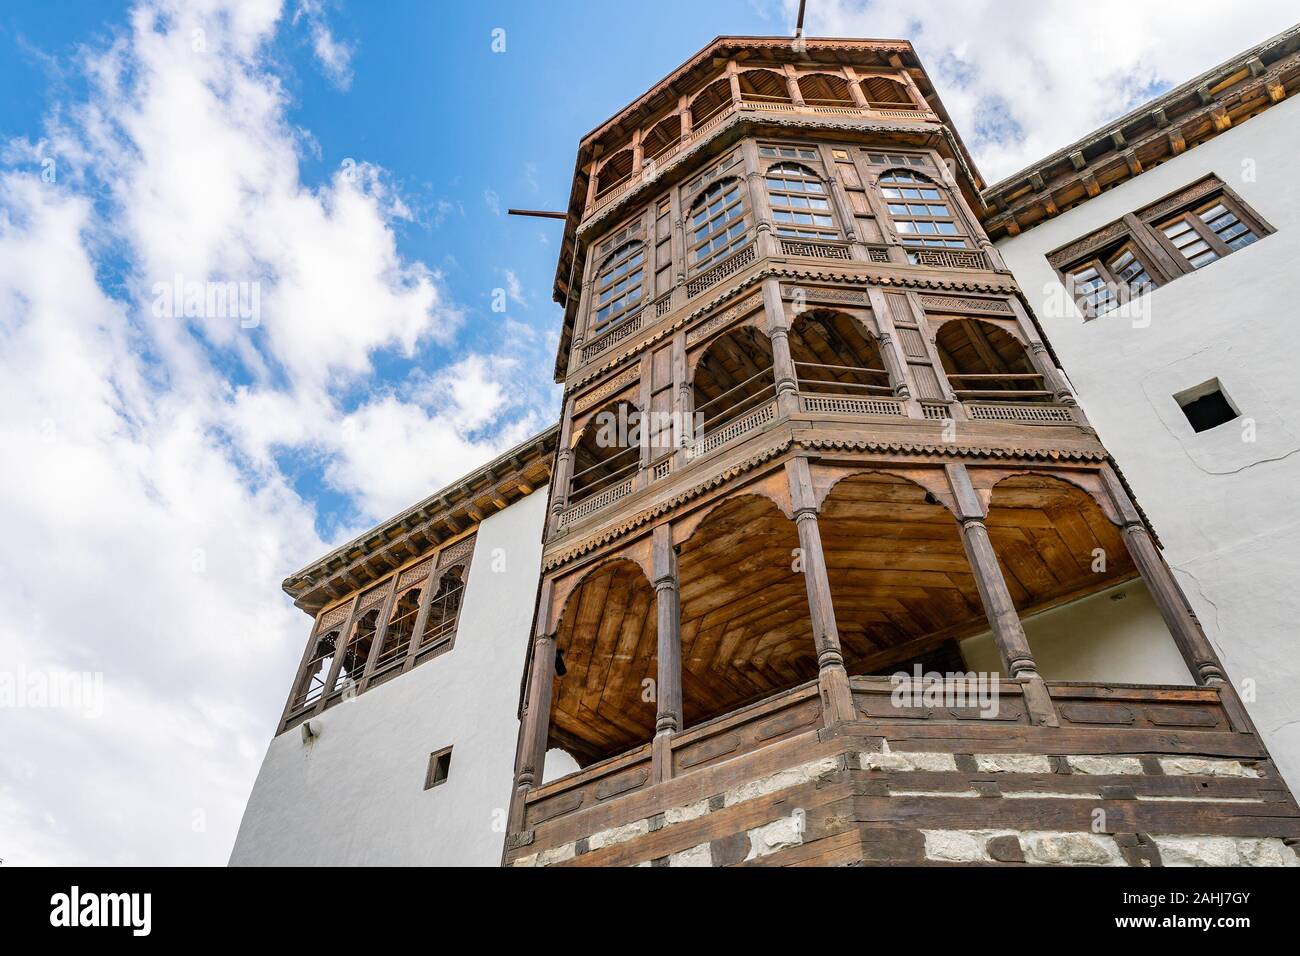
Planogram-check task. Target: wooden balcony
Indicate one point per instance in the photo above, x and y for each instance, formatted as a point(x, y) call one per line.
point(1106, 774)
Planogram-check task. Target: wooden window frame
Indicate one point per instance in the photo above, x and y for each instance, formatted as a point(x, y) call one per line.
point(742, 202)
point(1103, 262)
point(430, 774)
point(961, 239)
point(794, 230)
point(1191, 214)
point(1143, 232)
point(607, 278)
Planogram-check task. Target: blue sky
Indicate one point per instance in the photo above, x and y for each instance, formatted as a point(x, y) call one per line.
point(351, 163)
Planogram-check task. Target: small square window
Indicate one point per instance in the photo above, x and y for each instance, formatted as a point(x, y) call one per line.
point(1206, 406)
point(439, 768)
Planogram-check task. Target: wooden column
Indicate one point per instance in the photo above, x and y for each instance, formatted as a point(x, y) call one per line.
point(381, 632)
point(855, 88)
point(536, 724)
point(431, 584)
point(778, 331)
point(832, 677)
point(998, 606)
point(339, 647)
point(668, 630)
point(758, 199)
point(684, 107)
point(733, 75)
point(563, 468)
point(1013, 647)
point(792, 86)
point(1202, 661)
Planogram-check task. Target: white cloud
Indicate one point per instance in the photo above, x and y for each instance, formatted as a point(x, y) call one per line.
point(1022, 78)
point(493, 201)
point(514, 288)
point(334, 56)
point(147, 519)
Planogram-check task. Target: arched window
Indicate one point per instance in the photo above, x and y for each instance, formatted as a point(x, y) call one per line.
point(312, 685)
point(619, 286)
point(717, 223)
point(800, 207)
point(444, 610)
point(921, 213)
point(763, 86)
point(401, 625)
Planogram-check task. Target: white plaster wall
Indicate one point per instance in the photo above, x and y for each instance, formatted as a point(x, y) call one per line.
point(355, 796)
point(1227, 510)
point(1116, 636)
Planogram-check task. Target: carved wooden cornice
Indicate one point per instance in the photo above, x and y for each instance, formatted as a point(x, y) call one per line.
point(448, 514)
point(1198, 110)
point(616, 531)
point(922, 450)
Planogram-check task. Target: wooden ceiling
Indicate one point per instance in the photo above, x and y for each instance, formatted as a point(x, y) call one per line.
point(972, 347)
point(900, 584)
point(746, 627)
point(606, 640)
point(898, 572)
point(1045, 533)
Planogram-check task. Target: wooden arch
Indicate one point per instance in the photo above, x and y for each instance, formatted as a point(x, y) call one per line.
point(825, 89)
point(761, 85)
point(746, 626)
point(606, 647)
point(1054, 541)
point(710, 101)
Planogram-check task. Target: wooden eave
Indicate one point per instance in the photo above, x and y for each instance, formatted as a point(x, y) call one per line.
point(446, 514)
point(1191, 113)
point(692, 76)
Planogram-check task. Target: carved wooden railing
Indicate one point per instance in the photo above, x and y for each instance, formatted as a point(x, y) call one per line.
point(848, 405)
point(731, 431)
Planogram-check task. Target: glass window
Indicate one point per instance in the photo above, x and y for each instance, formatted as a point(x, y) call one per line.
point(800, 207)
point(921, 214)
point(717, 225)
point(619, 286)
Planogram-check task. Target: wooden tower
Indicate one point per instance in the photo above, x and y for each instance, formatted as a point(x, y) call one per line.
point(812, 436)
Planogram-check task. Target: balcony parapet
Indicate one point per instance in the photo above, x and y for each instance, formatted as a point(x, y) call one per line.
point(1174, 772)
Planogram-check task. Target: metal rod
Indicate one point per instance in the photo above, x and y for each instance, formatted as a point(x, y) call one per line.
point(538, 213)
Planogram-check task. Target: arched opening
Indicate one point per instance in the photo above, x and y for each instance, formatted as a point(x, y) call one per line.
point(444, 610)
point(357, 651)
point(746, 627)
point(710, 102)
point(732, 378)
point(763, 86)
point(662, 138)
point(1084, 609)
point(801, 208)
point(608, 451)
point(614, 172)
point(834, 355)
point(605, 651)
point(316, 673)
point(401, 627)
point(985, 363)
point(718, 224)
point(901, 585)
point(825, 89)
point(886, 94)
